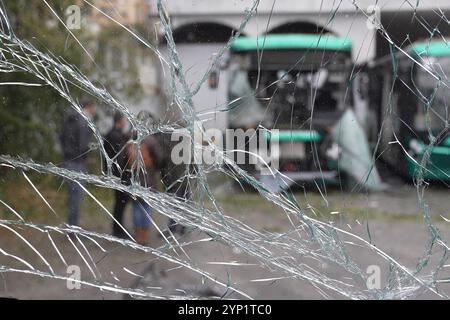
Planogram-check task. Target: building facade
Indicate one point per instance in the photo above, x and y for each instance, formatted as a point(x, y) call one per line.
point(202, 27)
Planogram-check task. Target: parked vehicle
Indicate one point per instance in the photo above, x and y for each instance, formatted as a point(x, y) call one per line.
point(298, 84)
point(409, 90)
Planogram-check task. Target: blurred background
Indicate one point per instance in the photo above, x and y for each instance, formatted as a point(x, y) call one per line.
point(358, 92)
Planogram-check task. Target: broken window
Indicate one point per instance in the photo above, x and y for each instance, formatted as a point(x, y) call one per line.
point(341, 116)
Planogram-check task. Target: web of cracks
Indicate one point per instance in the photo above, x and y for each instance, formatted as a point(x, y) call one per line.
point(294, 254)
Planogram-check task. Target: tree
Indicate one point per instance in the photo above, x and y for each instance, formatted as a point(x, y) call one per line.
point(30, 116)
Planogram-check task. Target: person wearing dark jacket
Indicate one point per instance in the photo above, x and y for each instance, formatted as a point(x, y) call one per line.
point(75, 138)
point(174, 177)
point(114, 143)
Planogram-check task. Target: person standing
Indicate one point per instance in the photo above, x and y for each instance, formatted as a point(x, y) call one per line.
point(149, 155)
point(144, 159)
point(114, 143)
point(175, 178)
point(75, 138)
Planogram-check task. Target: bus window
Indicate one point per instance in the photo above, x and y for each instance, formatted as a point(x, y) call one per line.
point(435, 91)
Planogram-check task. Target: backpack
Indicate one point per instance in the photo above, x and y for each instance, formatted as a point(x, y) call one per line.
point(145, 155)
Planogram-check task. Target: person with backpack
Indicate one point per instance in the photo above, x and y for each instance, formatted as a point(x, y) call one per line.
point(144, 159)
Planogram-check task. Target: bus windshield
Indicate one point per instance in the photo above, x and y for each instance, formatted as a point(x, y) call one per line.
point(296, 96)
point(434, 90)
point(311, 93)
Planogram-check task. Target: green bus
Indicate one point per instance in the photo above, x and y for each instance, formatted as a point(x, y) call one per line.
point(297, 84)
point(410, 92)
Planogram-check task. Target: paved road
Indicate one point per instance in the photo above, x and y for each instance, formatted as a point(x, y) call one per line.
point(394, 220)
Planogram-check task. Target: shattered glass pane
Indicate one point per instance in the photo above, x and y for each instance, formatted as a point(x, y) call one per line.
point(249, 149)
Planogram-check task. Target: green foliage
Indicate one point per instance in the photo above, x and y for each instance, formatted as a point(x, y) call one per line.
point(119, 56)
point(30, 116)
